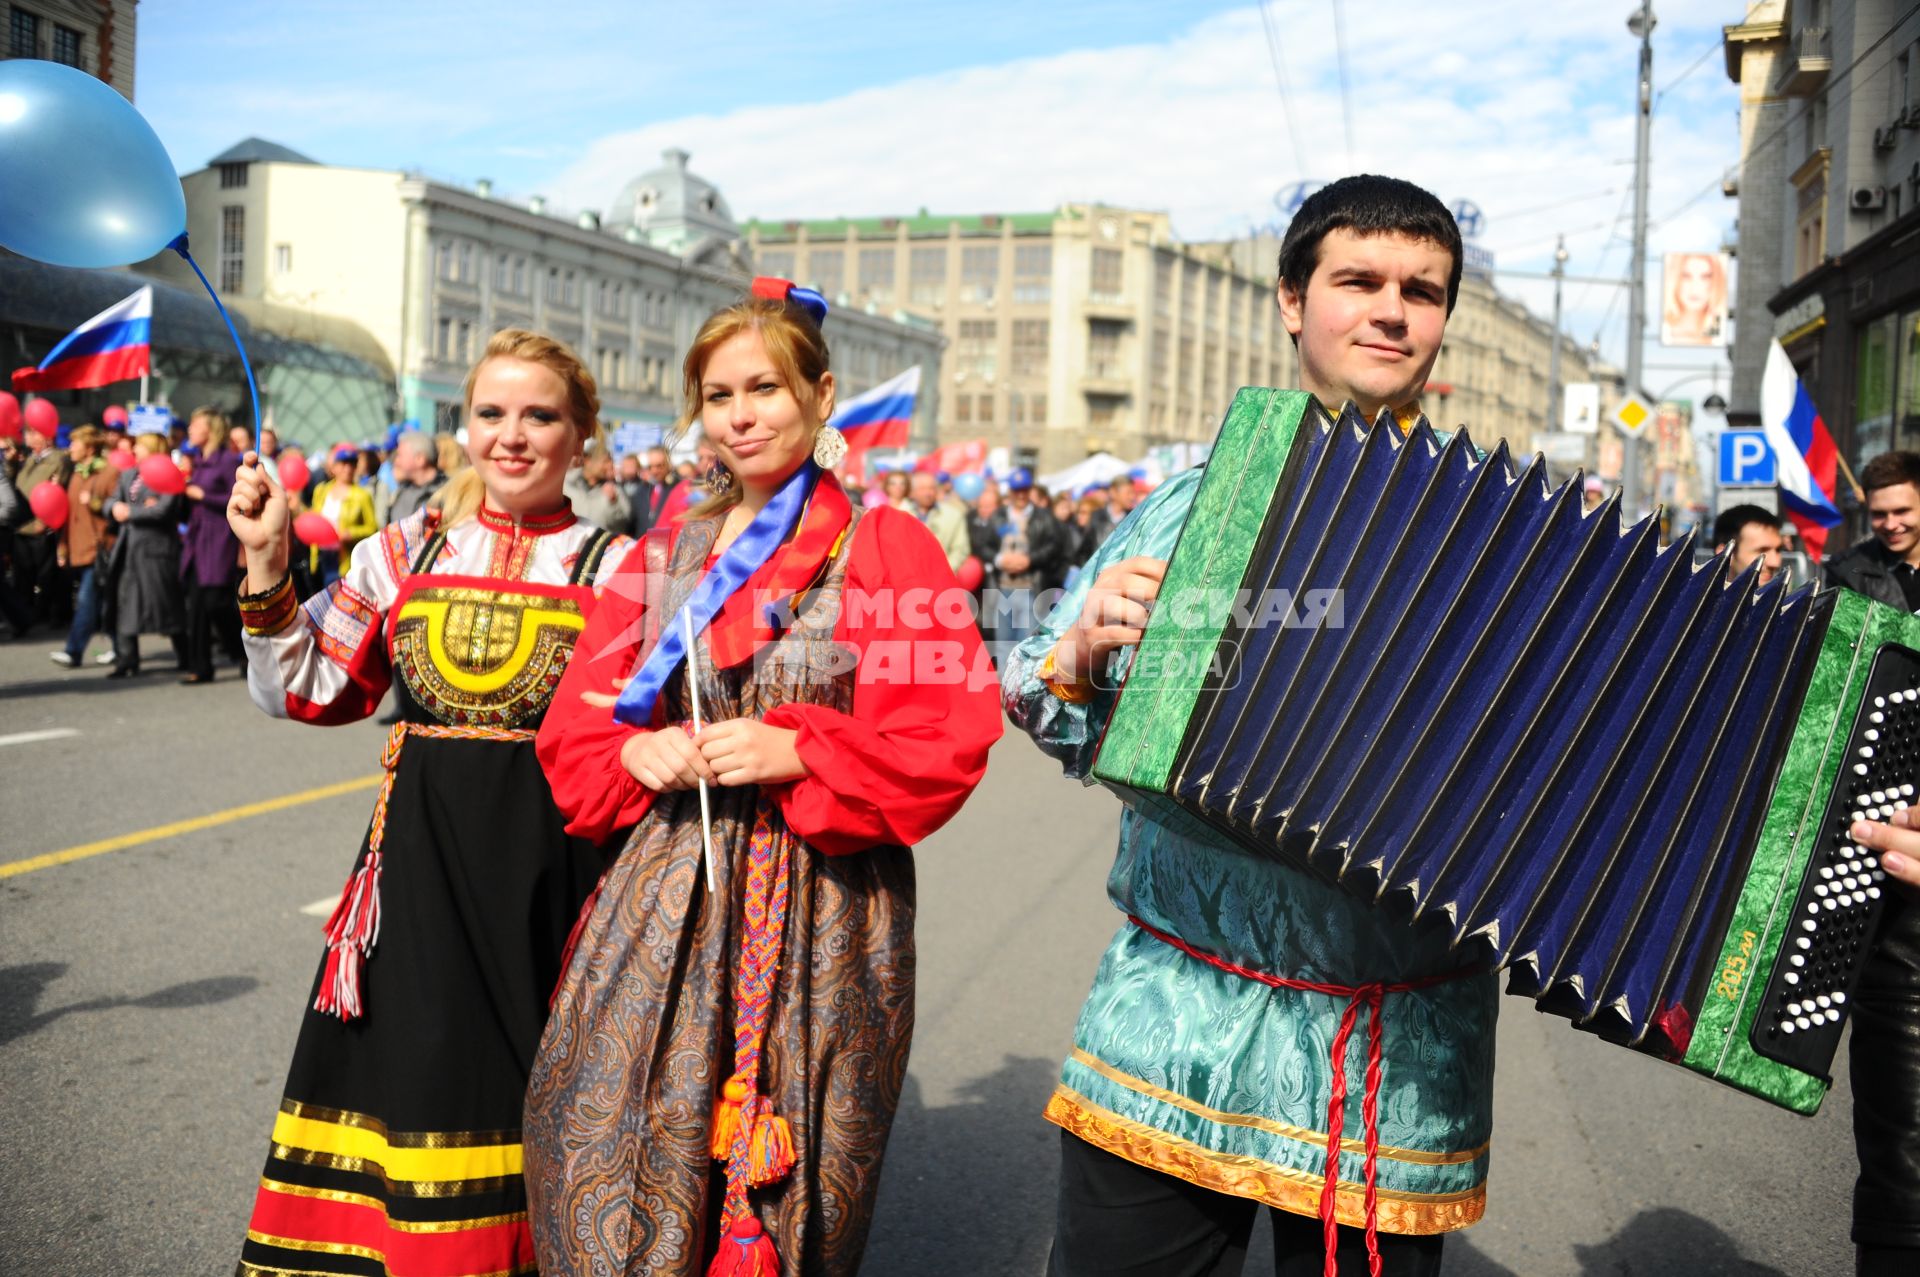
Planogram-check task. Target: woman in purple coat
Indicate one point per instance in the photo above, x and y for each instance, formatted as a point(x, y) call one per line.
point(210, 553)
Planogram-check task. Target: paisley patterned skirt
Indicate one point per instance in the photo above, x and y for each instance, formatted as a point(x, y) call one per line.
point(619, 1116)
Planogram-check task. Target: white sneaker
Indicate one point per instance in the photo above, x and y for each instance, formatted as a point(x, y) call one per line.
point(63, 660)
point(105, 658)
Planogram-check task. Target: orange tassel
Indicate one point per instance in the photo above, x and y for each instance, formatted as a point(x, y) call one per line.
point(745, 1251)
point(770, 1150)
point(726, 1116)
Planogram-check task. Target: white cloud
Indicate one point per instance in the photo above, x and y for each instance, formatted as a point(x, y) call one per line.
point(1523, 107)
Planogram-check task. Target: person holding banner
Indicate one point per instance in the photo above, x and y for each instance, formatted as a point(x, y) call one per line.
point(397, 1145)
point(778, 733)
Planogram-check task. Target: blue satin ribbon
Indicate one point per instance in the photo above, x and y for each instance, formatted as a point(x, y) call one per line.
point(747, 555)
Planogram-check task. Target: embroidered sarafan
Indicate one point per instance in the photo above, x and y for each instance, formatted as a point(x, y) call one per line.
point(480, 656)
point(396, 1150)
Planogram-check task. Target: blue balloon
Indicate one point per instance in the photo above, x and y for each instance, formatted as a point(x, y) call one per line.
point(968, 486)
point(87, 182)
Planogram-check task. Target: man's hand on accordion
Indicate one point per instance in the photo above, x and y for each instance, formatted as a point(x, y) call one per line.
point(1898, 839)
point(1114, 616)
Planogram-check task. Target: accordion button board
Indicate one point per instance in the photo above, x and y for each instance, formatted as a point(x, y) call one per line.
point(1838, 906)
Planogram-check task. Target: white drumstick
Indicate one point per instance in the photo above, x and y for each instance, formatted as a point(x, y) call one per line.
point(693, 696)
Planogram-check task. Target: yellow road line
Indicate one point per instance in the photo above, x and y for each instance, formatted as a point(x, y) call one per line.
point(178, 827)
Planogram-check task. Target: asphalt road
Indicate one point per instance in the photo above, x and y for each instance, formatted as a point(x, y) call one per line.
point(149, 997)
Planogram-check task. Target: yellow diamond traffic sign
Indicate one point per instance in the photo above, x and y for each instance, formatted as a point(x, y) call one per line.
point(1632, 413)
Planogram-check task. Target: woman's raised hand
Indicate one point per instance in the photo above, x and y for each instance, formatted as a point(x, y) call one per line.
point(258, 514)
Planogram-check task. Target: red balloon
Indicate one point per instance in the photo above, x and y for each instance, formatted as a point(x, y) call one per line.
point(313, 529)
point(122, 459)
point(114, 416)
point(294, 473)
point(49, 502)
point(970, 573)
point(41, 415)
point(159, 473)
point(9, 416)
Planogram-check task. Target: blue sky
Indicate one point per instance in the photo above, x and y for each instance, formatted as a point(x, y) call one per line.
point(1523, 107)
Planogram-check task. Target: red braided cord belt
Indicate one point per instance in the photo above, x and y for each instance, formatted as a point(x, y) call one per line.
point(354, 927)
point(1372, 995)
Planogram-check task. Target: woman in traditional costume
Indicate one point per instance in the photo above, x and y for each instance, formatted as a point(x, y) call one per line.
point(717, 1081)
point(397, 1147)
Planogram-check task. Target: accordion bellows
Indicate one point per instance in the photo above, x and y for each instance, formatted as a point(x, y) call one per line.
point(1429, 676)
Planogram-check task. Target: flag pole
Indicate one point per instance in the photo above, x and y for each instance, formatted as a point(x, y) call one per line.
point(1852, 482)
point(143, 387)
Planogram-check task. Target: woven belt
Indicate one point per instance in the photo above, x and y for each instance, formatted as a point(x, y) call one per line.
point(354, 927)
point(1371, 995)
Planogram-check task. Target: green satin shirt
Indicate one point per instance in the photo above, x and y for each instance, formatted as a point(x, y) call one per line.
point(1224, 1081)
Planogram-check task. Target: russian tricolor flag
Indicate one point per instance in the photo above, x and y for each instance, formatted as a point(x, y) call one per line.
point(1803, 451)
point(881, 418)
point(115, 345)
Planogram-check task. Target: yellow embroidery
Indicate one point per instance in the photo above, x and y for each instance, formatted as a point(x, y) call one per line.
point(480, 656)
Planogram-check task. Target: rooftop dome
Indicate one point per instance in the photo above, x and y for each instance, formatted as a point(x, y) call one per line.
point(673, 208)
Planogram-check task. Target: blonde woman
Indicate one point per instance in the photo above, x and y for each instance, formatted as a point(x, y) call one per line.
point(397, 1147)
point(750, 1027)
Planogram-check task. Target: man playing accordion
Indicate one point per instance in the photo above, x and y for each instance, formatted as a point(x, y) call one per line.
point(1229, 1022)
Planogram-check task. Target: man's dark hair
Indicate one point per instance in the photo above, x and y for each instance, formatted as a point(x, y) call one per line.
point(1368, 204)
point(1727, 527)
point(1889, 469)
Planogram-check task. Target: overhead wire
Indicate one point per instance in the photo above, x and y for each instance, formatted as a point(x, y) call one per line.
point(1693, 66)
point(1346, 94)
point(1286, 97)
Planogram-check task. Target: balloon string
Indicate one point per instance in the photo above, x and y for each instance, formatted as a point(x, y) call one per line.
point(179, 245)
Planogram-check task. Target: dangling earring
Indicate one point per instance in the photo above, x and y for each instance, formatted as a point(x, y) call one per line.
point(829, 448)
point(719, 480)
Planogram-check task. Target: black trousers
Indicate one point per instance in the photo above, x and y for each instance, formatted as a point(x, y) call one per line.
point(213, 615)
point(38, 581)
point(1884, 1063)
point(1119, 1219)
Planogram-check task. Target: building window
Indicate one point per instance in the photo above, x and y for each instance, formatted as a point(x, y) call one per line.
point(1032, 273)
point(963, 408)
point(985, 413)
point(1029, 348)
point(520, 276)
point(443, 340)
point(233, 248)
point(1163, 284)
point(282, 259)
point(876, 273)
point(975, 352)
point(503, 273)
point(777, 264)
point(979, 273)
point(927, 276)
point(468, 272)
point(1106, 278)
point(1103, 348)
point(573, 289)
point(26, 34)
point(553, 283)
point(828, 266)
point(66, 45)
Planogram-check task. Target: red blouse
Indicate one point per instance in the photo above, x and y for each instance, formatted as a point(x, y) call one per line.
point(925, 706)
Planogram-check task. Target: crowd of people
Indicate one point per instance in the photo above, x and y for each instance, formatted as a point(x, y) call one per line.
point(131, 560)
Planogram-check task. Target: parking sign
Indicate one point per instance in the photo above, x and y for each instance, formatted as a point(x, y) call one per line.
point(1745, 459)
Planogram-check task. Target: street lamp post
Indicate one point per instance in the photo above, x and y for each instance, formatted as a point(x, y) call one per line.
point(1640, 24)
point(1553, 357)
